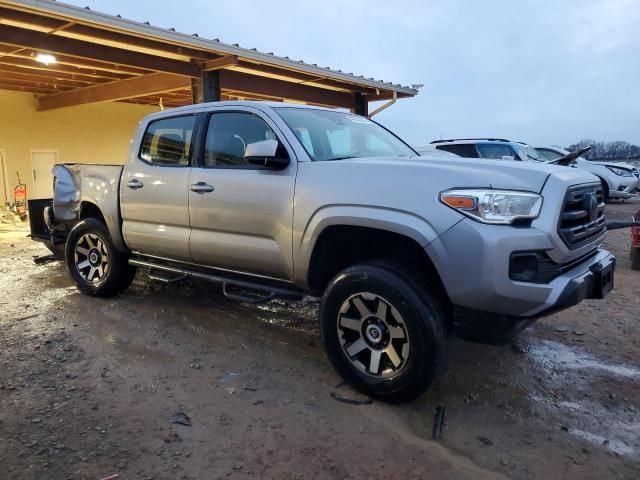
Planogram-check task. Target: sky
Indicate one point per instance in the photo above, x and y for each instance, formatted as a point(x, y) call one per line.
point(544, 72)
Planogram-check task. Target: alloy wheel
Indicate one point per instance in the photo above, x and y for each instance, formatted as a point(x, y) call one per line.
point(91, 258)
point(373, 335)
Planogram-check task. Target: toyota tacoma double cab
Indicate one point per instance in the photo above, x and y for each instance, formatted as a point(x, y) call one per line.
point(279, 200)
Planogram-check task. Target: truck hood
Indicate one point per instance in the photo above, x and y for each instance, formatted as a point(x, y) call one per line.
point(465, 172)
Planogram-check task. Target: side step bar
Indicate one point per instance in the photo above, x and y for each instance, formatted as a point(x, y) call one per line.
point(271, 291)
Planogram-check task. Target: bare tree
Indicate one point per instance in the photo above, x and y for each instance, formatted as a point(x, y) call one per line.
point(617, 150)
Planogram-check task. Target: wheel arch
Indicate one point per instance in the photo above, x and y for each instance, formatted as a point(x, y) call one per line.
point(89, 208)
point(338, 241)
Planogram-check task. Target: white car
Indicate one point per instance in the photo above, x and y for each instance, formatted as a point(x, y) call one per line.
point(619, 180)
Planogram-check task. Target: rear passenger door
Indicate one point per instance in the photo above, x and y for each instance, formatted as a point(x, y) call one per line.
point(154, 189)
point(241, 214)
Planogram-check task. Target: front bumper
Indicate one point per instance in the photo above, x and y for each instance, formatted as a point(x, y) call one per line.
point(488, 327)
point(473, 261)
point(622, 187)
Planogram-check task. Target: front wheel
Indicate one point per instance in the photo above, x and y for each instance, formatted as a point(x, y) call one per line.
point(94, 263)
point(384, 330)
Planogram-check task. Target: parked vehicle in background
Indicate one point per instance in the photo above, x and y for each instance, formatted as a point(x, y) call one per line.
point(619, 180)
point(404, 251)
point(487, 148)
point(433, 153)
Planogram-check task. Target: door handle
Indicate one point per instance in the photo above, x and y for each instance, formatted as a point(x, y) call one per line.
point(201, 187)
point(135, 184)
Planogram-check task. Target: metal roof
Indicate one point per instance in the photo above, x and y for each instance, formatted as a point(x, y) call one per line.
point(146, 30)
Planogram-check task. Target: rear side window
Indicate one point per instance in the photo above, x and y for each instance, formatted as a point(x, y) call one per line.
point(167, 142)
point(495, 151)
point(466, 150)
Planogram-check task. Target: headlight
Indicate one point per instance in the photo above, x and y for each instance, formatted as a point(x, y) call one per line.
point(502, 207)
point(621, 172)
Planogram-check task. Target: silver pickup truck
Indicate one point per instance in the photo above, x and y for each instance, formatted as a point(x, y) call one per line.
point(278, 200)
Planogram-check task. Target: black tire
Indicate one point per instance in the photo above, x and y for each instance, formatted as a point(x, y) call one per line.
point(635, 258)
point(423, 321)
point(605, 190)
point(106, 270)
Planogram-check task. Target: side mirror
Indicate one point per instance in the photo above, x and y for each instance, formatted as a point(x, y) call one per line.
point(508, 157)
point(267, 153)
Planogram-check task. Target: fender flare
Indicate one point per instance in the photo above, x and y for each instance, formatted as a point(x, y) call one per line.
point(396, 221)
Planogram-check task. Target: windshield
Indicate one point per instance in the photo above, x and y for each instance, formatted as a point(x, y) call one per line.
point(331, 135)
point(530, 153)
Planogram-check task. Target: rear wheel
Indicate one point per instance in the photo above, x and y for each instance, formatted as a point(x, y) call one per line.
point(635, 258)
point(95, 265)
point(384, 330)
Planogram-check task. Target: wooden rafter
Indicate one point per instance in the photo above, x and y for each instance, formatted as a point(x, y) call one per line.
point(151, 84)
point(19, 37)
point(219, 63)
point(99, 35)
point(248, 85)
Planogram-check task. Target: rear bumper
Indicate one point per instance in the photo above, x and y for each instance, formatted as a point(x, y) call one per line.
point(578, 285)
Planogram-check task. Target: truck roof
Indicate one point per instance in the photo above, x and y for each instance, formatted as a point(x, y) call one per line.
point(258, 104)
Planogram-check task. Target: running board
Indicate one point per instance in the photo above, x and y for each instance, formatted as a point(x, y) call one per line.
point(272, 291)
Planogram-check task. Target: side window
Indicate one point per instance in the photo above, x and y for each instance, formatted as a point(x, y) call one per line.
point(465, 150)
point(495, 151)
point(228, 135)
point(167, 142)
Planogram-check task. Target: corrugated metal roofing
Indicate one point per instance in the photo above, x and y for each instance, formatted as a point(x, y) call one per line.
point(214, 45)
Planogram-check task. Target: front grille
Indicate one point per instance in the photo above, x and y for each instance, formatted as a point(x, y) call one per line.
point(582, 218)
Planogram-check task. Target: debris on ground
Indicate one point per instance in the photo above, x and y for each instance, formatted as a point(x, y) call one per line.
point(438, 423)
point(42, 259)
point(181, 418)
point(351, 401)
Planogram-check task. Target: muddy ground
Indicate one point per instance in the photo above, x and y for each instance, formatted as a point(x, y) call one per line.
point(91, 388)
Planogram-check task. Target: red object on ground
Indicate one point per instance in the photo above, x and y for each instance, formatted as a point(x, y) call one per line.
point(635, 232)
point(20, 198)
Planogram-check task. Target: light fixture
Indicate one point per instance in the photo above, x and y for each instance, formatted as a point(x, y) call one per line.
point(45, 58)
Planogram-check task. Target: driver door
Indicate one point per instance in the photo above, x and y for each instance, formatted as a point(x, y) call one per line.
point(241, 214)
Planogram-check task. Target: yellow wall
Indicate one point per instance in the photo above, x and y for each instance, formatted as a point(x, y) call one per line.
point(95, 133)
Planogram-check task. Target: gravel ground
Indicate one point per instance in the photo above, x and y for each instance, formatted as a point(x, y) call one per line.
point(91, 388)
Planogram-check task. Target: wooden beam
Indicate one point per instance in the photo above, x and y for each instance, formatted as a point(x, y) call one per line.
point(151, 84)
point(218, 63)
point(99, 34)
point(23, 88)
point(60, 45)
point(59, 69)
point(248, 84)
point(43, 79)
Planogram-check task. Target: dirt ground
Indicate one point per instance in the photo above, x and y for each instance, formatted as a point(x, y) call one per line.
point(91, 388)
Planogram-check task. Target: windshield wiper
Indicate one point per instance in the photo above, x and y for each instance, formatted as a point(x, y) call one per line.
point(338, 158)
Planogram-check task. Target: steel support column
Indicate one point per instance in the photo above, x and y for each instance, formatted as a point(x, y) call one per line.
point(206, 88)
point(361, 105)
